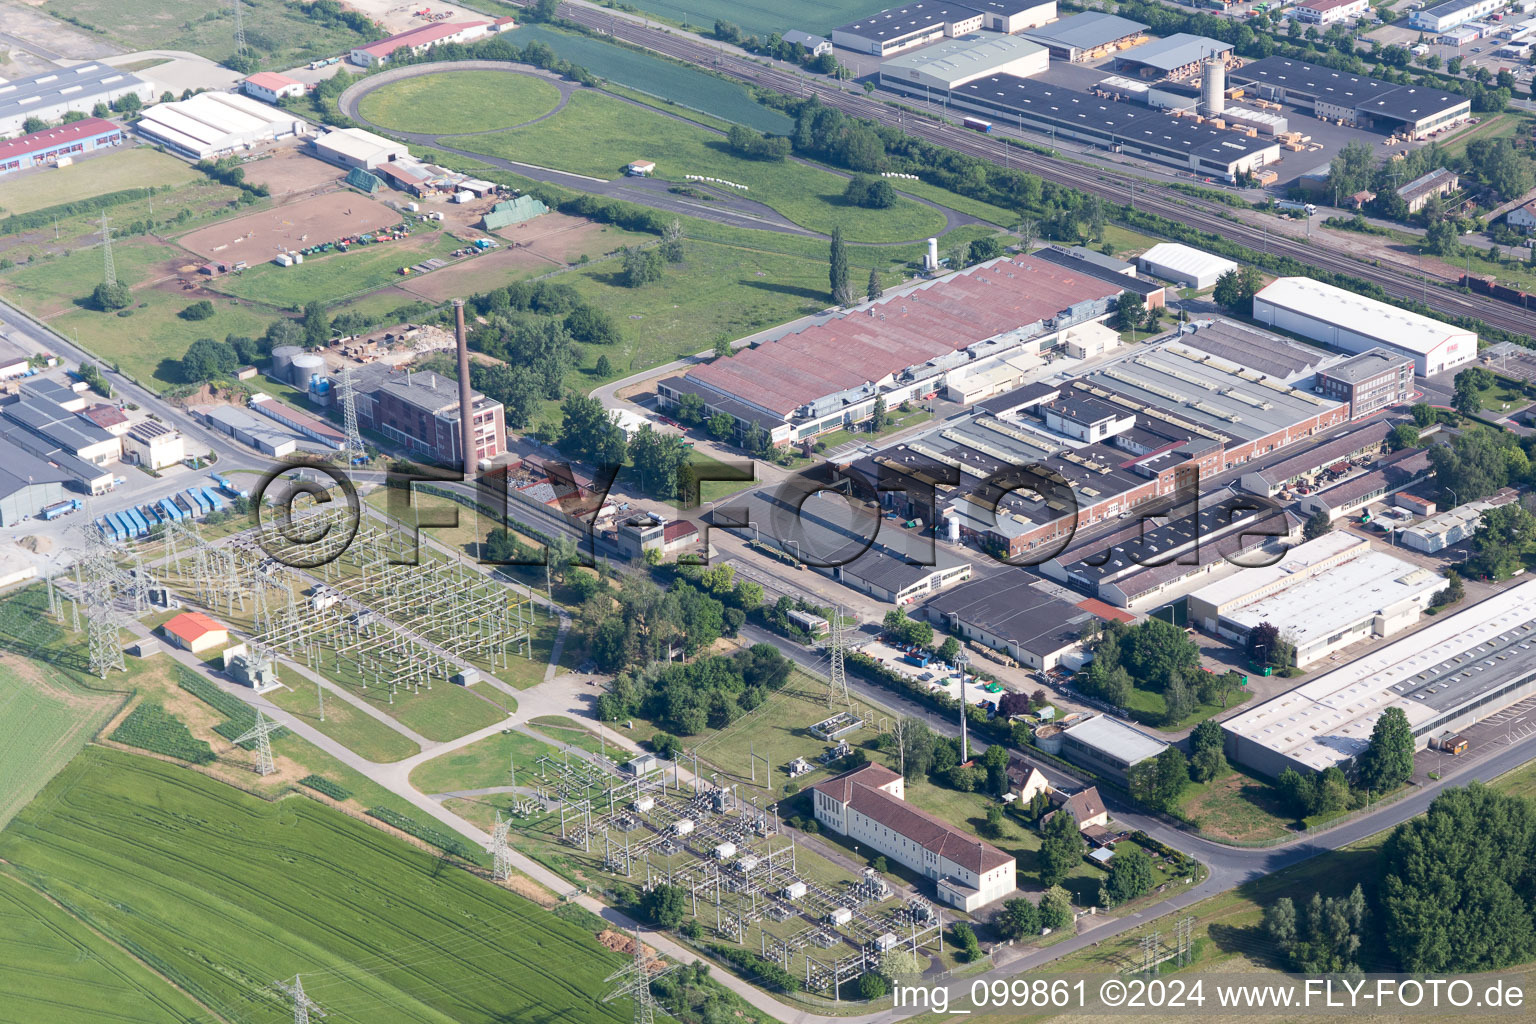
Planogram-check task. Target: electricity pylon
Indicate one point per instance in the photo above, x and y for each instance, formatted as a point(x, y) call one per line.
point(501, 868)
point(303, 1006)
point(635, 979)
point(109, 269)
point(239, 31)
point(349, 412)
point(839, 674)
point(262, 732)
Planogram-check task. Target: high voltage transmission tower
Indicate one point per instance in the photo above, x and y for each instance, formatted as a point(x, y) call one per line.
point(349, 409)
point(501, 869)
point(239, 31)
point(635, 979)
point(262, 732)
point(109, 269)
point(839, 674)
point(303, 1006)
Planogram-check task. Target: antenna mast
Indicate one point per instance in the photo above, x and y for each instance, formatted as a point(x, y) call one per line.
point(839, 674)
point(349, 411)
point(239, 31)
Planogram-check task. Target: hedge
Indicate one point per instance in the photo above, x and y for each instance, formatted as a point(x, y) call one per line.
point(38, 218)
point(321, 784)
point(444, 841)
point(240, 716)
point(150, 727)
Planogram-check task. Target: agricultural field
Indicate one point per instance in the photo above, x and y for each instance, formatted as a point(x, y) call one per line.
point(460, 101)
point(136, 167)
point(660, 79)
point(172, 863)
point(44, 721)
point(275, 32)
point(598, 135)
point(58, 969)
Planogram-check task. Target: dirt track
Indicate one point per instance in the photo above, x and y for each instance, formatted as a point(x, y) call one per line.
point(258, 237)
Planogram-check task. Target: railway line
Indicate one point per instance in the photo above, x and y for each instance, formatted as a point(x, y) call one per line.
point(1399, 280)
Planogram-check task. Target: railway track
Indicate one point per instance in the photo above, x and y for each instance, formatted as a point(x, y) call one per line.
point(1397, 280)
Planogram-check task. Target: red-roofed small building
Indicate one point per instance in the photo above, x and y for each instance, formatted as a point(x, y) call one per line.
point(1326, 12)
point(108, 417)
point(419, 40)
point(195, 632)
point(51, 145)
point(269, 86)
point(869, 806)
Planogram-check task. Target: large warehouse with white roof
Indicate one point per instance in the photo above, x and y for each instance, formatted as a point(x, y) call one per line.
point(1357, 324)
point(1448, 675)
point(213, 124)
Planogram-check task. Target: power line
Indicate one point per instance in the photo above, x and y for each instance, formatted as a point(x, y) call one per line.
point(303, 1006)
point(109, 269)
point(262, 732)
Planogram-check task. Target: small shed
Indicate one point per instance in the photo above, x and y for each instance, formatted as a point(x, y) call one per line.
point(642, 765)
point(748, 862)
point(643, 804)
point(682, 826)
point(1103, 855)
point(886, 941)
point(641, 168)
point(794, 890)
point(725, 851)
point(840, 916)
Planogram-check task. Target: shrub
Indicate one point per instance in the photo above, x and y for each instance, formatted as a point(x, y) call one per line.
point(150, 727)
point(321, 784)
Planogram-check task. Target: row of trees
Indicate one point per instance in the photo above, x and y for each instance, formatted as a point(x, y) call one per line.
point(1385, 764)
point(1154, 656)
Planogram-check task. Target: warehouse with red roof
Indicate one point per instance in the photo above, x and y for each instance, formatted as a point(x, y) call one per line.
point(49, 146)
point(899, 347)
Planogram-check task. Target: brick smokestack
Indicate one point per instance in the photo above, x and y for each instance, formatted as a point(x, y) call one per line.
point(466, 404)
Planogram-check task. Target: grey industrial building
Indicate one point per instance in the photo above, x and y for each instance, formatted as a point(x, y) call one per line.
point(1404, 110)
point(891, 577)
point(1087, 36)
point(1107, 746)
point(52, 94)
point(901, 28)
point(1013, 613)
point(1453, 672)
point(89, 477)
point(1369, 382)
point(27, 485)
point(1111, 124)
point(1175, 56)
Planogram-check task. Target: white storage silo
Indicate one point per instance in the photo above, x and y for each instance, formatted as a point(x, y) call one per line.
point(1213, 88)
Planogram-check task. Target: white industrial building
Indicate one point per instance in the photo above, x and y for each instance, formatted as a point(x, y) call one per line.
point(1187, 266)
point(269, 86)
point(1357, 324)
point(869, 806)
point(355, 147)
point(51, 95)
point(951, 64)
point(1452, 526)
point(214, 124)
point(1326, 12)
point(1014, 15)
point(1453, 672)
point(901, 28)
point(1446, 16)
point(1323, 595)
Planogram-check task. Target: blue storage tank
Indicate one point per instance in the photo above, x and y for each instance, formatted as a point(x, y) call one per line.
point(212, 498)
point(124, 530)
point(170, 510)
point(200, 507)
point(140, 527)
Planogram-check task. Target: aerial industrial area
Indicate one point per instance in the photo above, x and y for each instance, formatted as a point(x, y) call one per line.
point(795, 512)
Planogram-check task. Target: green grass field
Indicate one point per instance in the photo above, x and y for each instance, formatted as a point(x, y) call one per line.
point(57, 969)
point(1236, 806)
point(44, 721)
point(335, 275)
point(172, 864)
point(598, 135)
point(140, 167)
point(460, 101)
point(660, 79)
point(343, 723)
point(482, 764)
point(278, 36)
